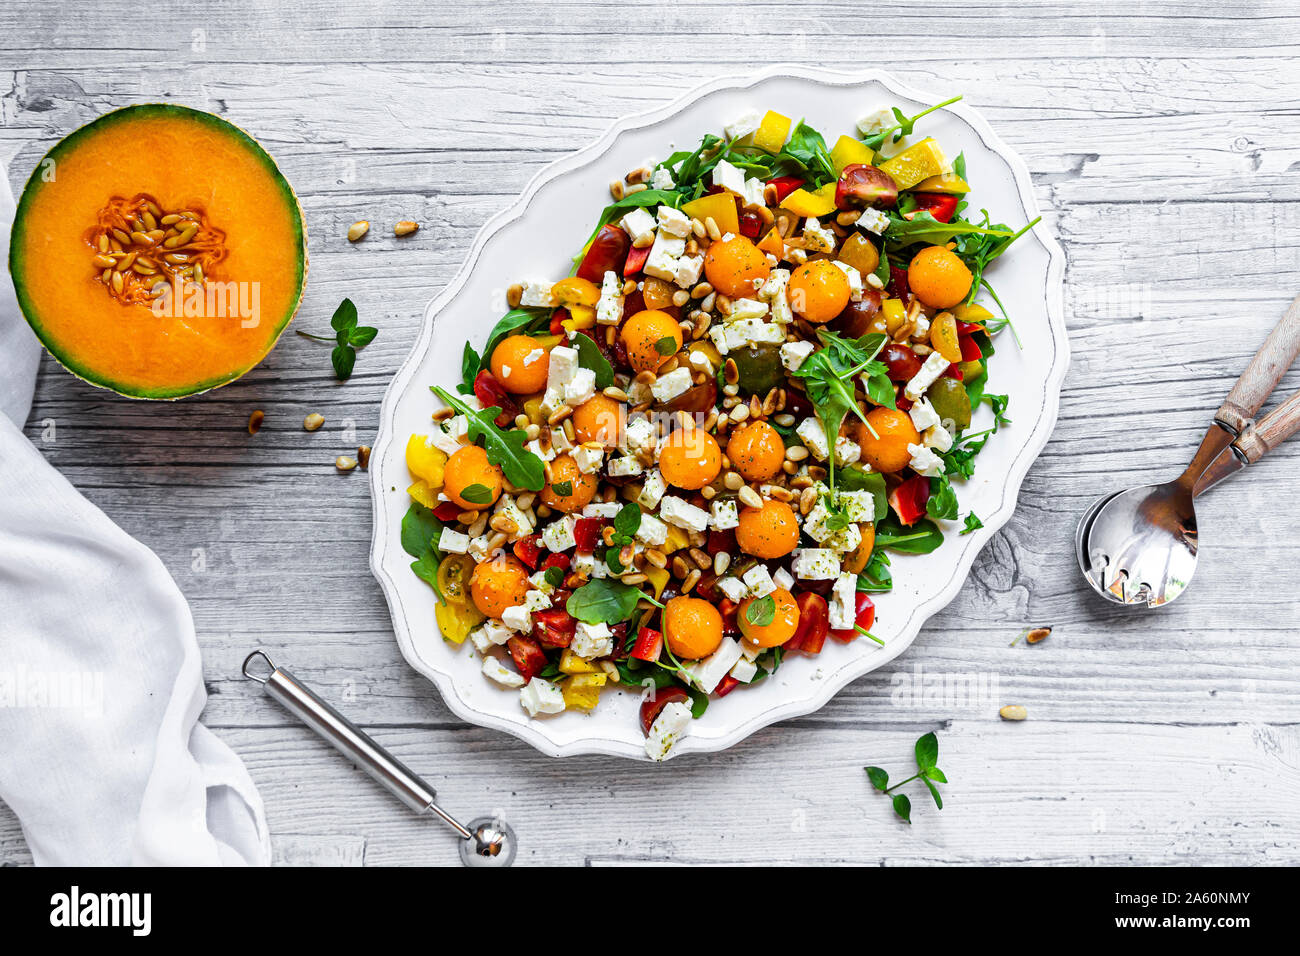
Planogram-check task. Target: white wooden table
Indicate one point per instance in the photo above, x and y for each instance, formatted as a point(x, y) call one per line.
point(1162, 138)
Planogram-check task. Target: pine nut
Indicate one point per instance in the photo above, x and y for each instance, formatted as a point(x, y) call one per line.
point(405, 228)
point(255, 421)
point(749, 497)
point(355, 231)
point(345, 463)
point(1013, 712)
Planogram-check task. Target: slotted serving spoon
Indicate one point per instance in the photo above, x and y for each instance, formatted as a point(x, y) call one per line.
point(1139, 546)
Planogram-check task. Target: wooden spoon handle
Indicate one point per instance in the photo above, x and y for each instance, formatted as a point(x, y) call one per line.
point(1271, 430)
point(1262, 374)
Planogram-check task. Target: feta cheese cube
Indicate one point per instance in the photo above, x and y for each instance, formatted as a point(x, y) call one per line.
point(759, 581)
point(639, 225)
point(539, 583)
point(881, 119)
point(652, 491)
point(545, 454)
point(662, 261)
point(706, 674)
point(813, 436)
point(683, 514)
point(558, 535)
point(667, 387)
point(560, 442)
point(581, 388)
point(744, 670)
point(733, 588)
point(854, 277)
point(847, 451)
point(924, 461)
point(687, 271)
point(934, 366)
point(750, 650)
point(541, 697)
point(492, 634)
point(873, 221)
point(748, 122)
point(817, 238)
point(495, 670)
point(588, 565)
point(937, 437)
point(536, 601)
point(592, 640)
point(452, 541)
point(609, 310)
point(640, 435)
point(638, 393)
point(444, 441)
point(776, 283)
point(662, 179)
point(537, 294)
point(652, 532)
point(523, 522)
point(624, 467)
point(563, 366)
point(923, 414)
point(725, 514)
point(753, 193)
point(588, 457)
point(783, 579)
point(478, 549)
point(815, 564)
point(674, 222)
point(480, 641)
point(858, 505)
point(742, 309)
point(843, 610)
point(517, 618)
point(729, 177)
point(794, 354)
point(718, 333)
point(602, 509)
point(670, 726)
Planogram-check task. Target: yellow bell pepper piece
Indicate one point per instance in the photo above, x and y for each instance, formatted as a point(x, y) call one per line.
point(550, 341)
point(772, 132)
point(457, 620)
point(658, 578)
point(571, 663)
point(678, 538)
point(810, 205)
point(848, 151)
point(916, 163)
point(949, 183)
point(424, 494)
point(582, 317)
point(975, 314)
point(424, 461)
point(720, 206)
point(582, 691)
point(895, 314)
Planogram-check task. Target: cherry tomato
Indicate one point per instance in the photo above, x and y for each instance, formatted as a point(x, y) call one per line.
point(587, 534)
point(651, 706)
point(490, 392)
point(554, 627)
point(635, 261)
point(970, 350)
point(814, 618)
point(649, 644)
point(865, 615)
point(606, 253)
point(750, 225)
point(529, 550)
point(861, 184)
point(725, 686)
point(901, 362)
point(453, 578)
point(938, 205)
point(560, 561)
point(528, 656)
point(456, 620)
point(898, 286)
point(447, 511)
point(909, 499)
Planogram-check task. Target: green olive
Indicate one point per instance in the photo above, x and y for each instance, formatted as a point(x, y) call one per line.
point(759, 367)
point(949, 398)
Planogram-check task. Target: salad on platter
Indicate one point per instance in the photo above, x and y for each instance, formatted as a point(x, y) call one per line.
point(691, 457)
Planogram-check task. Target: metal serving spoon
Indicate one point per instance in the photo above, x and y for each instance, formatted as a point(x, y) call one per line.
point(485, 841)
point(1139, 546)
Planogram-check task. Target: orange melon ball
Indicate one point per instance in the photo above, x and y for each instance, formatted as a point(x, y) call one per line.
point(563, 471)
point(651, 337)
point(520, 364)
point(736, 267)
point(888, 452)
point(498, 583)
point(690, 458)
point(818, 291)
point(598, 419)
point(756, 450)
point(768, 532)
point(692, 627)
point(785, 620)
point(938, 277)
point(469, 470)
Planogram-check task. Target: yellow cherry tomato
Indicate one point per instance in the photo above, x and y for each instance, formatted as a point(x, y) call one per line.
point(818, 290)
point(454, 572)
point(424, 461)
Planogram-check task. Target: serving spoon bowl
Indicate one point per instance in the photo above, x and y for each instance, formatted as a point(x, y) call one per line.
point(1138, 547)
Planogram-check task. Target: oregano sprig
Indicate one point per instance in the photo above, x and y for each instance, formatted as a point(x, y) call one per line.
point(927, 753)
point(348, 337)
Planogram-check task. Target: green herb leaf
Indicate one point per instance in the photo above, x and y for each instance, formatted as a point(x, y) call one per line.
point(362, 336)
point(927, 751)
point(879, 779)
point(924, 228)
point(345, 316)
point(942, 502)
point(904, 125)
point(603, 601)
point(554, 576)
point(806, 150)
point(477, 494)
point(627, 523)
point(666, 345)
point(761, 611)
point(920, 538)
point(426, 569)
point(469, 364)
point(699, 702)
point(506, 449)
point(421, 530)
point(562, 488)
point(344, 359)
point(934, 792)
point(934, 773)
point(903, 806)
point(875, 577)
point(591, 357)
point(972, 524)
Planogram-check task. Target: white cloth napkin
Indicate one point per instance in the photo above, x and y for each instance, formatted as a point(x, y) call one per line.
point(102, 756)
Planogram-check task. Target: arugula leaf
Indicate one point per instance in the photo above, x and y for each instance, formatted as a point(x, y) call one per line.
point(904, 126)
point(506, 449)
point(972, 524)
point(943, 499)
point(920, 538)
point(924, 228)
point(806, 150)
point(761, 611)
point(591, 357)
point(875, 577)
point(603, 601)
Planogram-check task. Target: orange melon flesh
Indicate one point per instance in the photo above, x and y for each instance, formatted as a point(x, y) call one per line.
point(182, 159)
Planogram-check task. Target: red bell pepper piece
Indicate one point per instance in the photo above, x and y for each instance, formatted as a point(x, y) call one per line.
point(607, 253)
point(661, 698)
point(528, 656)
point(554, 627)
point(635, 261)
point(557, 320)
point(966, 328)
point(785, 185)
point(529, 550)
point(908, 499)
point(864, 610)
point(814, 620)
point(721, 541)
point(725, 686)
point(938, 205)
point(489, 391)
point(970, 349)
point(447, 511)
point(587, 533)
point(903, 403)
point(649, 643)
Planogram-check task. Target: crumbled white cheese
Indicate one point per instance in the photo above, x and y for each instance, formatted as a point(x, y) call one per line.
point(674, 222)
point(847, 451)
point(581, 388)
point(783, 579)
point(537, 294)
point(742, 309)
point(640, 435)
point(662, 261)
point(558, 535)
point(706, 674)
point(924, 461)
point(854, 277)
point(729, 177)
point(624, 467)
point(794, 354)
point(639, 225)
point(923, 414)
point(652, 532)
point(813, 436)
point(517, 618)
point(759, 581)
point(588, 457)
point(817, 238)
point(609, 310)
point(733, 588)
point(592, 640)
point(671, 725)
point(843, 602)
point(452, 541)
point(815, 564)
point(934, 366)
point(687, 271)
point(662, 179)
point(744, 670)
point(724, 514)
point(748, 122)
point(541, 697)
point(873, 221)
point(653, 490)
point(938, 438)
point(667, 387)
point(495, 670)
point(683, 514)
point(602, 509)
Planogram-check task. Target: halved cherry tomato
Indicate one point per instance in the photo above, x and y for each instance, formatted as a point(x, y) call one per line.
point(938, 205)
point(447, 511)
point(560, 561)
point(898, 286)
point(651, 706)
point(952, 371)
point(529, 550)
point(635, 261)
point(453, 578)
point(528, 656)
point(607, 252)
point(554, 627)
point(785, 185)
point(751, 226)
point(558, 318)
point(587, 534)
point(970, 349)
point(457, 620)
point(814, 618)
point(864, 610)
point(649, 643)
point(726, 686)
point(490, 392)
point(721, 541)
point(900, 361)
point(728, 608)
point(908, 499)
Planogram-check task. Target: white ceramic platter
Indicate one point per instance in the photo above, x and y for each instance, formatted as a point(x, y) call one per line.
point(537, 236)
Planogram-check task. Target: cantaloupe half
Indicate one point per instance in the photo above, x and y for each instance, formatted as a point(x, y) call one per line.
point(158, 252)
